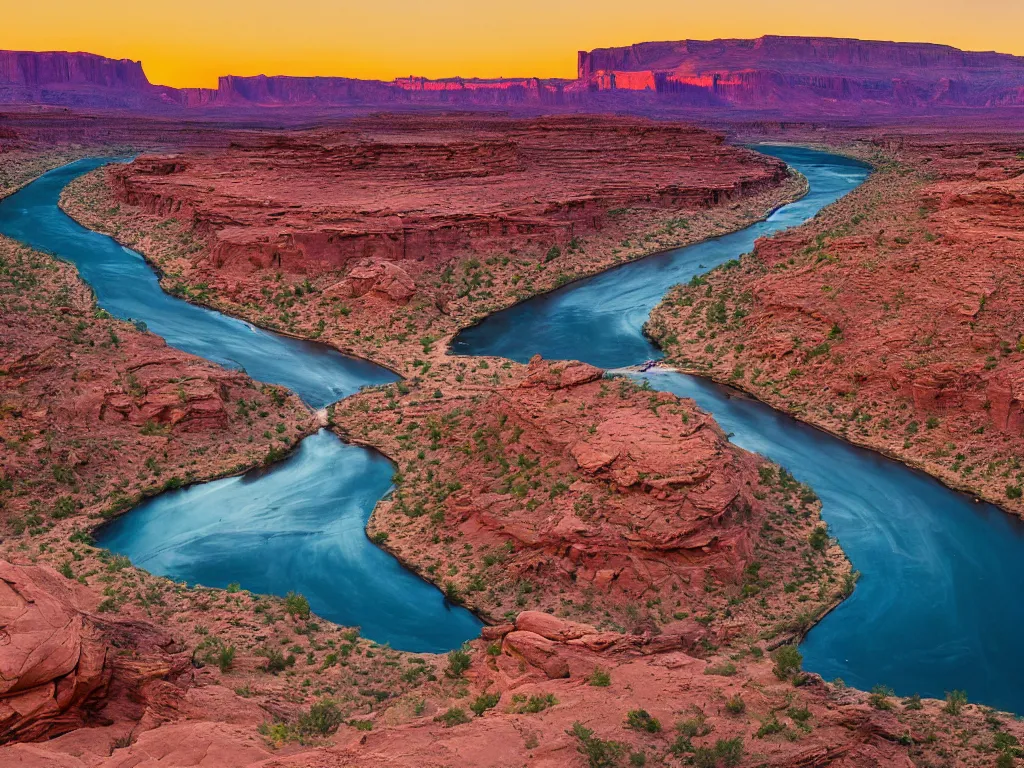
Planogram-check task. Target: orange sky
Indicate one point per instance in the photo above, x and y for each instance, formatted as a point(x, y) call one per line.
point(191, 42)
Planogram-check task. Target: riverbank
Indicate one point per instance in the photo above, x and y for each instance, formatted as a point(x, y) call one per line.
point(845, 323)
point(395, 304)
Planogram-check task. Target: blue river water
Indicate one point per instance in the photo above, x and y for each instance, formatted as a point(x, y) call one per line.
point(938, 606)
point(299, 526)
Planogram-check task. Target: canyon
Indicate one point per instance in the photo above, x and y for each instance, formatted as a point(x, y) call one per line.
point(644, 581)
point(397, 229)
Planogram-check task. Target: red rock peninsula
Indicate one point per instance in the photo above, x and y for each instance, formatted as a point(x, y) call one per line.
point(416, 190)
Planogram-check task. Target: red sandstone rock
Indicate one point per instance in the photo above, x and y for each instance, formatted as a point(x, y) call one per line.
point(805, 75)
point(385, 202)
point(52, 660)
point(382, 278)
point(894, 317)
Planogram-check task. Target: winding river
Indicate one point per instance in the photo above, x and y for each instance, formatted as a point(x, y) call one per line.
point(938, 604)
point(299, 526)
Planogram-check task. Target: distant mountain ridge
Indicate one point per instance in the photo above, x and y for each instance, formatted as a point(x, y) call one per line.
point(790, 75)
point(808, 71)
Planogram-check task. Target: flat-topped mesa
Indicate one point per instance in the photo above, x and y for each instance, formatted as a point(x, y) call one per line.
point(807, 72)
point(74, 79)
point(422, 190)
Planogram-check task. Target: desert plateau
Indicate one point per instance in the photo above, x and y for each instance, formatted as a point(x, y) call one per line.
point(671, 414)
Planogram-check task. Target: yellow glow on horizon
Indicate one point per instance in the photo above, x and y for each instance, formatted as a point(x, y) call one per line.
point(192, 42)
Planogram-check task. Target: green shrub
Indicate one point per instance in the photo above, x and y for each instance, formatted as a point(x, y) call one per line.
point(879, 698)
point(726, 669)
point(483, 702)
point(521, 705)
point(736, 705)
point(818, 538)
point(769, 727)
point(955, 702)
point(451, 718)
point(226, 658)
point(600, 753)
point(600, 678)
point(296, 605)
point(276, 661)
point(641, 720)
point(726, 752)
point(458, 662)
point(788, 661)
point(323, 718)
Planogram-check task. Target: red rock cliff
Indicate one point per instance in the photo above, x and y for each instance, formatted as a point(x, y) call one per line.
point(807, 73)
point(76, 79)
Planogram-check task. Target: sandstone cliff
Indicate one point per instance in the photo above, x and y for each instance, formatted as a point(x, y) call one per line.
point(805, 74)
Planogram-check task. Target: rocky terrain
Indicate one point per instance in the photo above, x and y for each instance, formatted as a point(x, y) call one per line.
point(384, 232)
point(562, 490)
point(642, 577)
point(893, 319)
point(808, 75)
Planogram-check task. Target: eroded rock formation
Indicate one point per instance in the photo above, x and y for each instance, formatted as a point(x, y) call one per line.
point(894, 319)
point(808, 75)
point(423, 190)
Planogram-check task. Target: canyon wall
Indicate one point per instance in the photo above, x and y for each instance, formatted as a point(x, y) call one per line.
point(807, 73)
point(74, 79)
point(789, 75)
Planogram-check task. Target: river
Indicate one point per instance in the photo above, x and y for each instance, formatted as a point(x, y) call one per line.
point(298, 526)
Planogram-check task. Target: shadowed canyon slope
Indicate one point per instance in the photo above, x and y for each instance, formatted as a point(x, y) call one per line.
point(786, 75)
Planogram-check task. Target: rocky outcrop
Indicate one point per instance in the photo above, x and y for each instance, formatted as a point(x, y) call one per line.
point(415, 191)
point(380, 278)
point(74, 79)
point(805, 74)
point(563, 489)
point(53, 660)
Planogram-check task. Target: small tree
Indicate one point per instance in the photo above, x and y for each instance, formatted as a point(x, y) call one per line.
point(955, 702)
point(296, 606)
point(788, 661)
point(323, 718)
point(458, 662)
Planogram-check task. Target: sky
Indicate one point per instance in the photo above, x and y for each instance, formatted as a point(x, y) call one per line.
point(191, 42)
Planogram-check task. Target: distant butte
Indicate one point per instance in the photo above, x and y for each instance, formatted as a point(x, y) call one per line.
point(771, 74)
